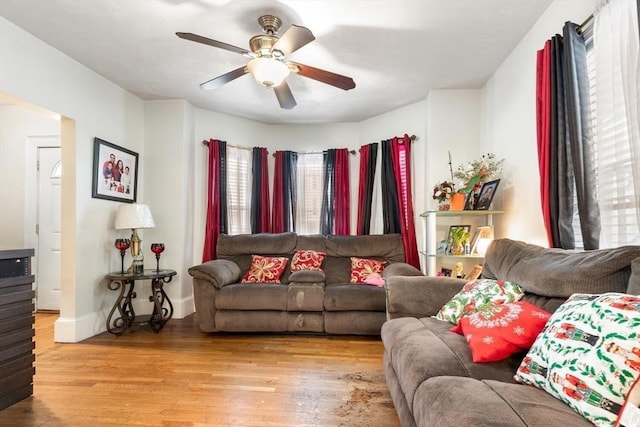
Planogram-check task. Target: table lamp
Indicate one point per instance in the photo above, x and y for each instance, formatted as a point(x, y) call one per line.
point(135, 216)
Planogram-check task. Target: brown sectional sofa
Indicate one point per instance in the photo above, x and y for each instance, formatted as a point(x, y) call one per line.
point(304, 301)
point(429, 370)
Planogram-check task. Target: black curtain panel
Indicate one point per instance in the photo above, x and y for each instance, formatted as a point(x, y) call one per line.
point(580, 137)
point(290, 161)
point(390, 210)
point(256, 208)
point(328, 199)
point(368, 195)
point(224, 218)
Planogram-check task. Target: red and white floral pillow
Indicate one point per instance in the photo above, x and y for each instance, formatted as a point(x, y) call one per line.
point(307, 260)
point(477, 294)
point(497, 331)
point(361, 268)
point(265, 269)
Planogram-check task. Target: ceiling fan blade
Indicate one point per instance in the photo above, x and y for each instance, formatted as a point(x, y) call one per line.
point(333, 79)
point(225, 78)
point(293, 39)
point(284, 95)
point(214, 43)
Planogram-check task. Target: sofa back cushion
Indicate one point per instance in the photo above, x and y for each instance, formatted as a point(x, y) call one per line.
point(340, 249)
point(558, 273)
point(241, 247)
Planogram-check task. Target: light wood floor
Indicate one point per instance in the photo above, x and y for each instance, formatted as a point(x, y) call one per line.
point(182, 377)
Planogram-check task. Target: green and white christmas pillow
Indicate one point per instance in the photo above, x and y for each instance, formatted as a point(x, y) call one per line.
point(476, 295)
point(588, 356)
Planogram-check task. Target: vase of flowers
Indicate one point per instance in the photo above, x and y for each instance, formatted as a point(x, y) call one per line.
point(442, 193)
point(475, 173)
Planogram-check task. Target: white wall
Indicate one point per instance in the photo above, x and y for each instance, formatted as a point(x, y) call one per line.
point(169, 164)
point(509, 123)
point(91, 106)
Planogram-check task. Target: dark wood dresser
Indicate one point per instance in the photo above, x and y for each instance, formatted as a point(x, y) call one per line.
point(16, 326)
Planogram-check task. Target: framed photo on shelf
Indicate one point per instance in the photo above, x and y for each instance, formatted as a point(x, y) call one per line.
point(475, 272)
point(452, 231)
point(469, 201)
point(481, 238)
point(446, 272)
point(487, 193)
point(115, 172)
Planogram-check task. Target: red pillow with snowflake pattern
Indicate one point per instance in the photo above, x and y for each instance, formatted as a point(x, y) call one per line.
point(265, 269)
point(361, 268)
point(307, 260)
point(498, 331)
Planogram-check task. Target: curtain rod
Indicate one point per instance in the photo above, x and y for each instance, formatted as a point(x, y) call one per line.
point(205, 142)
point(315, 152)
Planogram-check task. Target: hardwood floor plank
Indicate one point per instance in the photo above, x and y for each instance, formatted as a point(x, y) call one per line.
point(182, 377)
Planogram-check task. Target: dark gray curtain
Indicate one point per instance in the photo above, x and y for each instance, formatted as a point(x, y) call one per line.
point(328, 199)
point(390, 210)
point(570, 171)
point(580, 138)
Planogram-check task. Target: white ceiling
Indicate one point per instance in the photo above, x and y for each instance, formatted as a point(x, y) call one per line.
point(396, 51)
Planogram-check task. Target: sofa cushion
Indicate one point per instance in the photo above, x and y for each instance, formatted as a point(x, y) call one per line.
point(229, 247)
point(420, 349)
point(477, 294)
point(383, 246)
point(557, 272)
point(265, 269)
point(587, 339)
point(358, 297)
point(252, 297)
point(361, 268)
point(454, 401)
point(497, 332)
point(634, 280)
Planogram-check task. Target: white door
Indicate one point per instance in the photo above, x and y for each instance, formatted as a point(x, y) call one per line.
point(49, 232)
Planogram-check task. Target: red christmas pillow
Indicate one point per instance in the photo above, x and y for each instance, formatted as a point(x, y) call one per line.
point(361, 268)
point(307, 260)
point(496, 332)
point(265, 269)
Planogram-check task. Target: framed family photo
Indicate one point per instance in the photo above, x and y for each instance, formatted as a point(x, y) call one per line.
point(115, 172)
point(487, 193)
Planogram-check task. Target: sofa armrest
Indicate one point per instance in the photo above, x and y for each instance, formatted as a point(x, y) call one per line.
point(419, 296)
point(219, 272)
point(307, 276)
point(400, 269)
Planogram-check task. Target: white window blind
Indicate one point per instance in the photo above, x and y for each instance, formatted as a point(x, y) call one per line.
point(610, 70)
point(309, 192)
point(239, 179)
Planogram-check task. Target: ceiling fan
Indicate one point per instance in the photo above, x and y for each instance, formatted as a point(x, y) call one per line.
point(269, 65)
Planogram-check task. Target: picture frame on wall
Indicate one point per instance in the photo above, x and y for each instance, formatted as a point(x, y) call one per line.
point(115, 172)
point(487, 193)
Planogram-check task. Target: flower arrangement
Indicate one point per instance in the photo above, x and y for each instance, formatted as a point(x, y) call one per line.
point(443, 191)
point(474, 174)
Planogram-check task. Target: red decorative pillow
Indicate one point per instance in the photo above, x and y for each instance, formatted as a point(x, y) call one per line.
point(265, 269)
point(307, 260)
point(361, 268)
point(498, 331)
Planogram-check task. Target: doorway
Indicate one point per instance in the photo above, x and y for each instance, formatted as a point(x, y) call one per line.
point(43, 199)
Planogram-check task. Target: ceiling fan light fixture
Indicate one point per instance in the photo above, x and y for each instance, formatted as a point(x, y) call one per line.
point(268, 71)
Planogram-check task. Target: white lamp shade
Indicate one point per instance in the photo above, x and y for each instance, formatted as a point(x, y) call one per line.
point(268, 71)
point(134, 216)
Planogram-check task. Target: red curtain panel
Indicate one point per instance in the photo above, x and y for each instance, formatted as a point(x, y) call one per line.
point(543, 127)
point(212, 226)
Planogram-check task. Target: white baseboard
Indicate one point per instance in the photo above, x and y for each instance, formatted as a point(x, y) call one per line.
point(76, 329)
